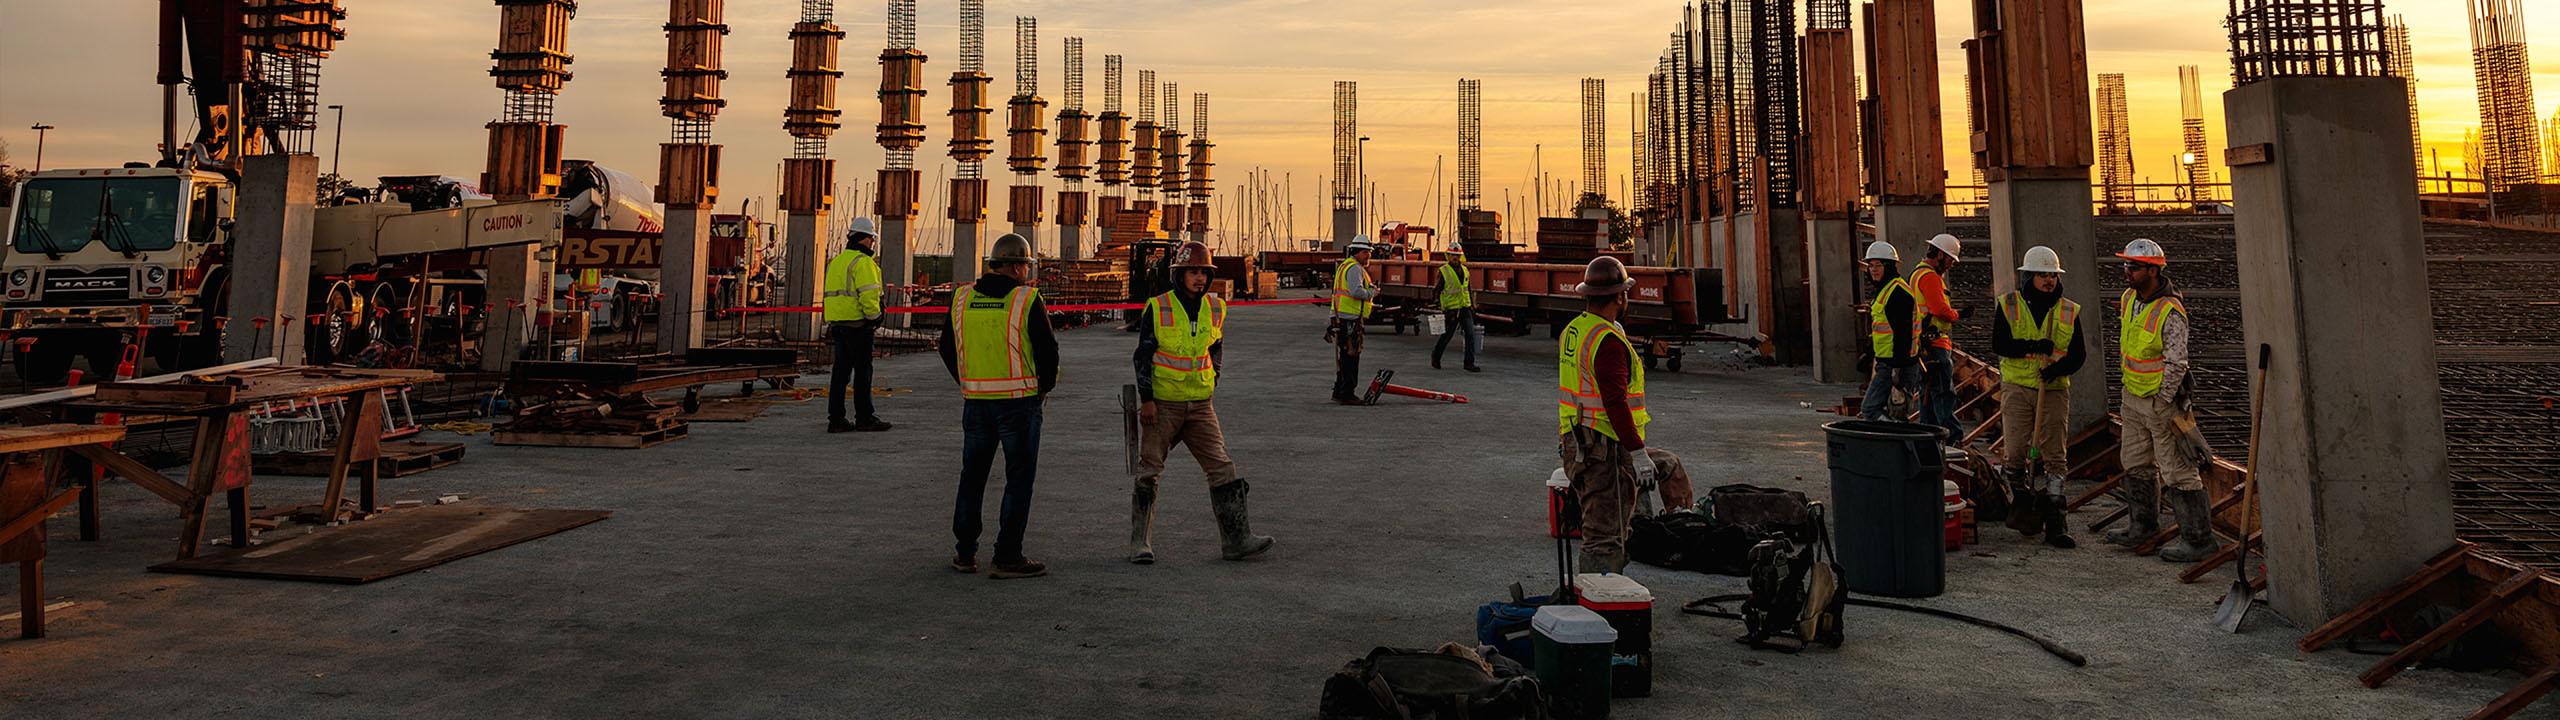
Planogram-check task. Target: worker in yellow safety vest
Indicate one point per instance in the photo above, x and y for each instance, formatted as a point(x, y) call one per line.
point(1178, 357)
point(2037, 336)
point(1353, 297)
point(1000, 348)
point(2151, 322)
point(1893, 334)
point(1457, 306)
point(851, 299)
point(1600, 419)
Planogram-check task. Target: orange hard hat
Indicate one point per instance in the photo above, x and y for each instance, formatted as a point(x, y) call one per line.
point(1192, 254)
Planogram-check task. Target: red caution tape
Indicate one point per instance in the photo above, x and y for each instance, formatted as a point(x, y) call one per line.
point(1052, 308)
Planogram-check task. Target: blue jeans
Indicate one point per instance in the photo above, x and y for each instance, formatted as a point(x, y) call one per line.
point(1941, 409)
point(1462, 321)
point(985, 425)
point(1880, 389)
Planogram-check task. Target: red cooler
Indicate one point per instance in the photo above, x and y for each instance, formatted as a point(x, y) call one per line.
point(1628, 607)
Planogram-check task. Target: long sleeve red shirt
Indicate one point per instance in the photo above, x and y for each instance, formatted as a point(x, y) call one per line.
point(1612, 371)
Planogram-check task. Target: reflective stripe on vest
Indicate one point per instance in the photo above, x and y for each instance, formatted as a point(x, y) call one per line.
point(852, 289)
point(1343, 302)
point(1936, 329)
point(1578, 399)
point(2143, 353)
point(1183, 370)
point(1880, 329)
point(994, 339)
point(1454, 293)
point(2058, 325)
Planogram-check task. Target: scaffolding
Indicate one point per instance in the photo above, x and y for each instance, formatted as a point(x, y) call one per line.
point(1470, 144)
point(1595, 147)
point(2511, 129)
point(1346, 145)
point(2196, 158)
point(2395, 37)
point(2115, 143)
point(2275, 38)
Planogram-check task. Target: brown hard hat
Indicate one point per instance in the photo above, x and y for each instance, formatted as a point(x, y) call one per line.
point(1604, 276)
point(1193, 254)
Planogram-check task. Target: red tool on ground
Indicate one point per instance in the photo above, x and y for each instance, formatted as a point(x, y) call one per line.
point(1381, 385)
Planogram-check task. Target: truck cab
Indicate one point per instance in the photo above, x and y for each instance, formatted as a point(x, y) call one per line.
point(102, 259)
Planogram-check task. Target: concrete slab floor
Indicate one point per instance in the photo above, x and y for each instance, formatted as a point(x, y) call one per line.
point(768, 569)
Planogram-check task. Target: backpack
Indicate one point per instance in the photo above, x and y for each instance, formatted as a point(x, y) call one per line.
point(1689, 541)
point(1797, 592)
point(1399, 684)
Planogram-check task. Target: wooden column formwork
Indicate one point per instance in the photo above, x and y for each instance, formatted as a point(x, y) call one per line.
point(524, 160)
point(808, 185)
point(901, 102)
point(813, 74)
point(1023, 204)
point(693, 71)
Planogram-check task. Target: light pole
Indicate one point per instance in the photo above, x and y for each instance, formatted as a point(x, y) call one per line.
point(1361, 190)
point(340, 141)
point(2187, 165)
point(40, 145)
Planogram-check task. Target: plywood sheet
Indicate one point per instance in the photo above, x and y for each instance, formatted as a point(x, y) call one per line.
point(386, 546)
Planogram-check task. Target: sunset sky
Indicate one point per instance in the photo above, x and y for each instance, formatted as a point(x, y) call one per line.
point(414, 78)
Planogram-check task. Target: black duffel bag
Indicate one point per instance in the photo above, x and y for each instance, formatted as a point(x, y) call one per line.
point(1396, 684)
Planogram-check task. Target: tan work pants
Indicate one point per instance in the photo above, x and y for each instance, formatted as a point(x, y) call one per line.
point(1604, 482)
point(1193, 425)
point(2023, 428)
point(2150, 444)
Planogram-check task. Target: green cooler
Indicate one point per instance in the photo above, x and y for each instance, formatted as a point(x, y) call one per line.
point(1573, 646)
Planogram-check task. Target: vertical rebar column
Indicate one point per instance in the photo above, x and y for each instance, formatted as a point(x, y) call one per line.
point(1201, 187)
point(1144, 167)
point(688, 169)
point(2509, 127)
point(1595, 147)
point(970, 143)
point(808, 176)
point(897, 198)
point(2195, 159)
point(1169, 153)
point(1470, 180)
point(1026, 127)
point(1113, 169)
point(1346, 162)
point(1777, 85)
point(2115, 144)
point(2395, 37)
point(1075, 145)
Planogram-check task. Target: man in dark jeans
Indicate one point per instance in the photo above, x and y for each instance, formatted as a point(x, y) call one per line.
point(1000, 348)
point(1458, 305)
point(851, 299)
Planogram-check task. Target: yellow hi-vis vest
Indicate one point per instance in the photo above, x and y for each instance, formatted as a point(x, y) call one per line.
point(852, 287)
point(1880, 330)
point(1578, 385)
point(1343, 302)
point(2057, 325)
point(1454, 294)
point(2145, 355)
point(1183, 372)
point(994, 337)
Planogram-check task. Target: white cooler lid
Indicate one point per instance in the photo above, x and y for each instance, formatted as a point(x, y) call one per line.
point(1573, 625)
point(1611, 588)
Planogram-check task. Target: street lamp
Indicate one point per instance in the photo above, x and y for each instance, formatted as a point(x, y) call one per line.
point(40, 144)
point(1361, 191)
point(340, 141)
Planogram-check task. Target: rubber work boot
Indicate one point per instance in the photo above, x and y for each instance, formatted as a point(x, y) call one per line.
point(2023, 516)
point(2057, 528)
point(2195, 528)
point(2142, 514)
point(871, 425)
point(1142, 521)
point(1236, 540)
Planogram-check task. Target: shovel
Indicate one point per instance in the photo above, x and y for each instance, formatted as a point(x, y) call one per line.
point(2237, 601)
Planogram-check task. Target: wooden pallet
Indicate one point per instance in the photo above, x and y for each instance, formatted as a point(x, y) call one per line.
point(674, 431)
point(399, 459)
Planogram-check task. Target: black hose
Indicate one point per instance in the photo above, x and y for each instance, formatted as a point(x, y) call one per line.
point(2067, 654)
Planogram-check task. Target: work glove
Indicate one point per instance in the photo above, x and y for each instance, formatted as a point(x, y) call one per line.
point(1644, 469)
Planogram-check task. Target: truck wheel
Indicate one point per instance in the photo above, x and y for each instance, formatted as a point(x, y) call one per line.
point(336, 336)
point(105, 350)
point(43, 364)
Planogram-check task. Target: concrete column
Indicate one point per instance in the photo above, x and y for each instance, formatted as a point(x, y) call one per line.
point(683, 266)
point(804, 245)
point(1839, 323)
point(897, 265)
point(271, 257)
point(519, 273)
point(1071, 242)
point(2055, 214)
point(1908, 227)
point(1346, 223)
point(968, 250)
point(2333, 278)
point(1783, 285)
point(1029, 231)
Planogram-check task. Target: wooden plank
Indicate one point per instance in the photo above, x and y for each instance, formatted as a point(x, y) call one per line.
point(2436, 569)
point(2523, 694)
point(37, 515)
point(167, 393)
point(135, 472)
point(2499, 598)
point(390, 545)
point(591, 440)
point(46, 437)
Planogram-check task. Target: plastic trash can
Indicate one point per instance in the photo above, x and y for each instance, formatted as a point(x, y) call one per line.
point(1573, 645)
point(1888, 506)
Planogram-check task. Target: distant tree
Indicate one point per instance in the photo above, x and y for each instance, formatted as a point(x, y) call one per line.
point(331, 186)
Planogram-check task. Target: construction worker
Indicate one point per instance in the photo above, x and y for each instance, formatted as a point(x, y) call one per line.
point(852, 303)
point(2151, 322)
point(1600, 415)
point(2037, 336)
point(1458, 307)
point(1353, 298)
point(999, 347)
point(1937, 321)
point(1177, 360)
point(1893, 329)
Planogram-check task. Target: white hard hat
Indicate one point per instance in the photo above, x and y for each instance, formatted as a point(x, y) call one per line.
point(861, 226)
point(1881, 250)
point(1948, 244)
point(2042, 259)
point(2143, 250)
point(1457, 247)
point(1010, 248)
point(1359, 243)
